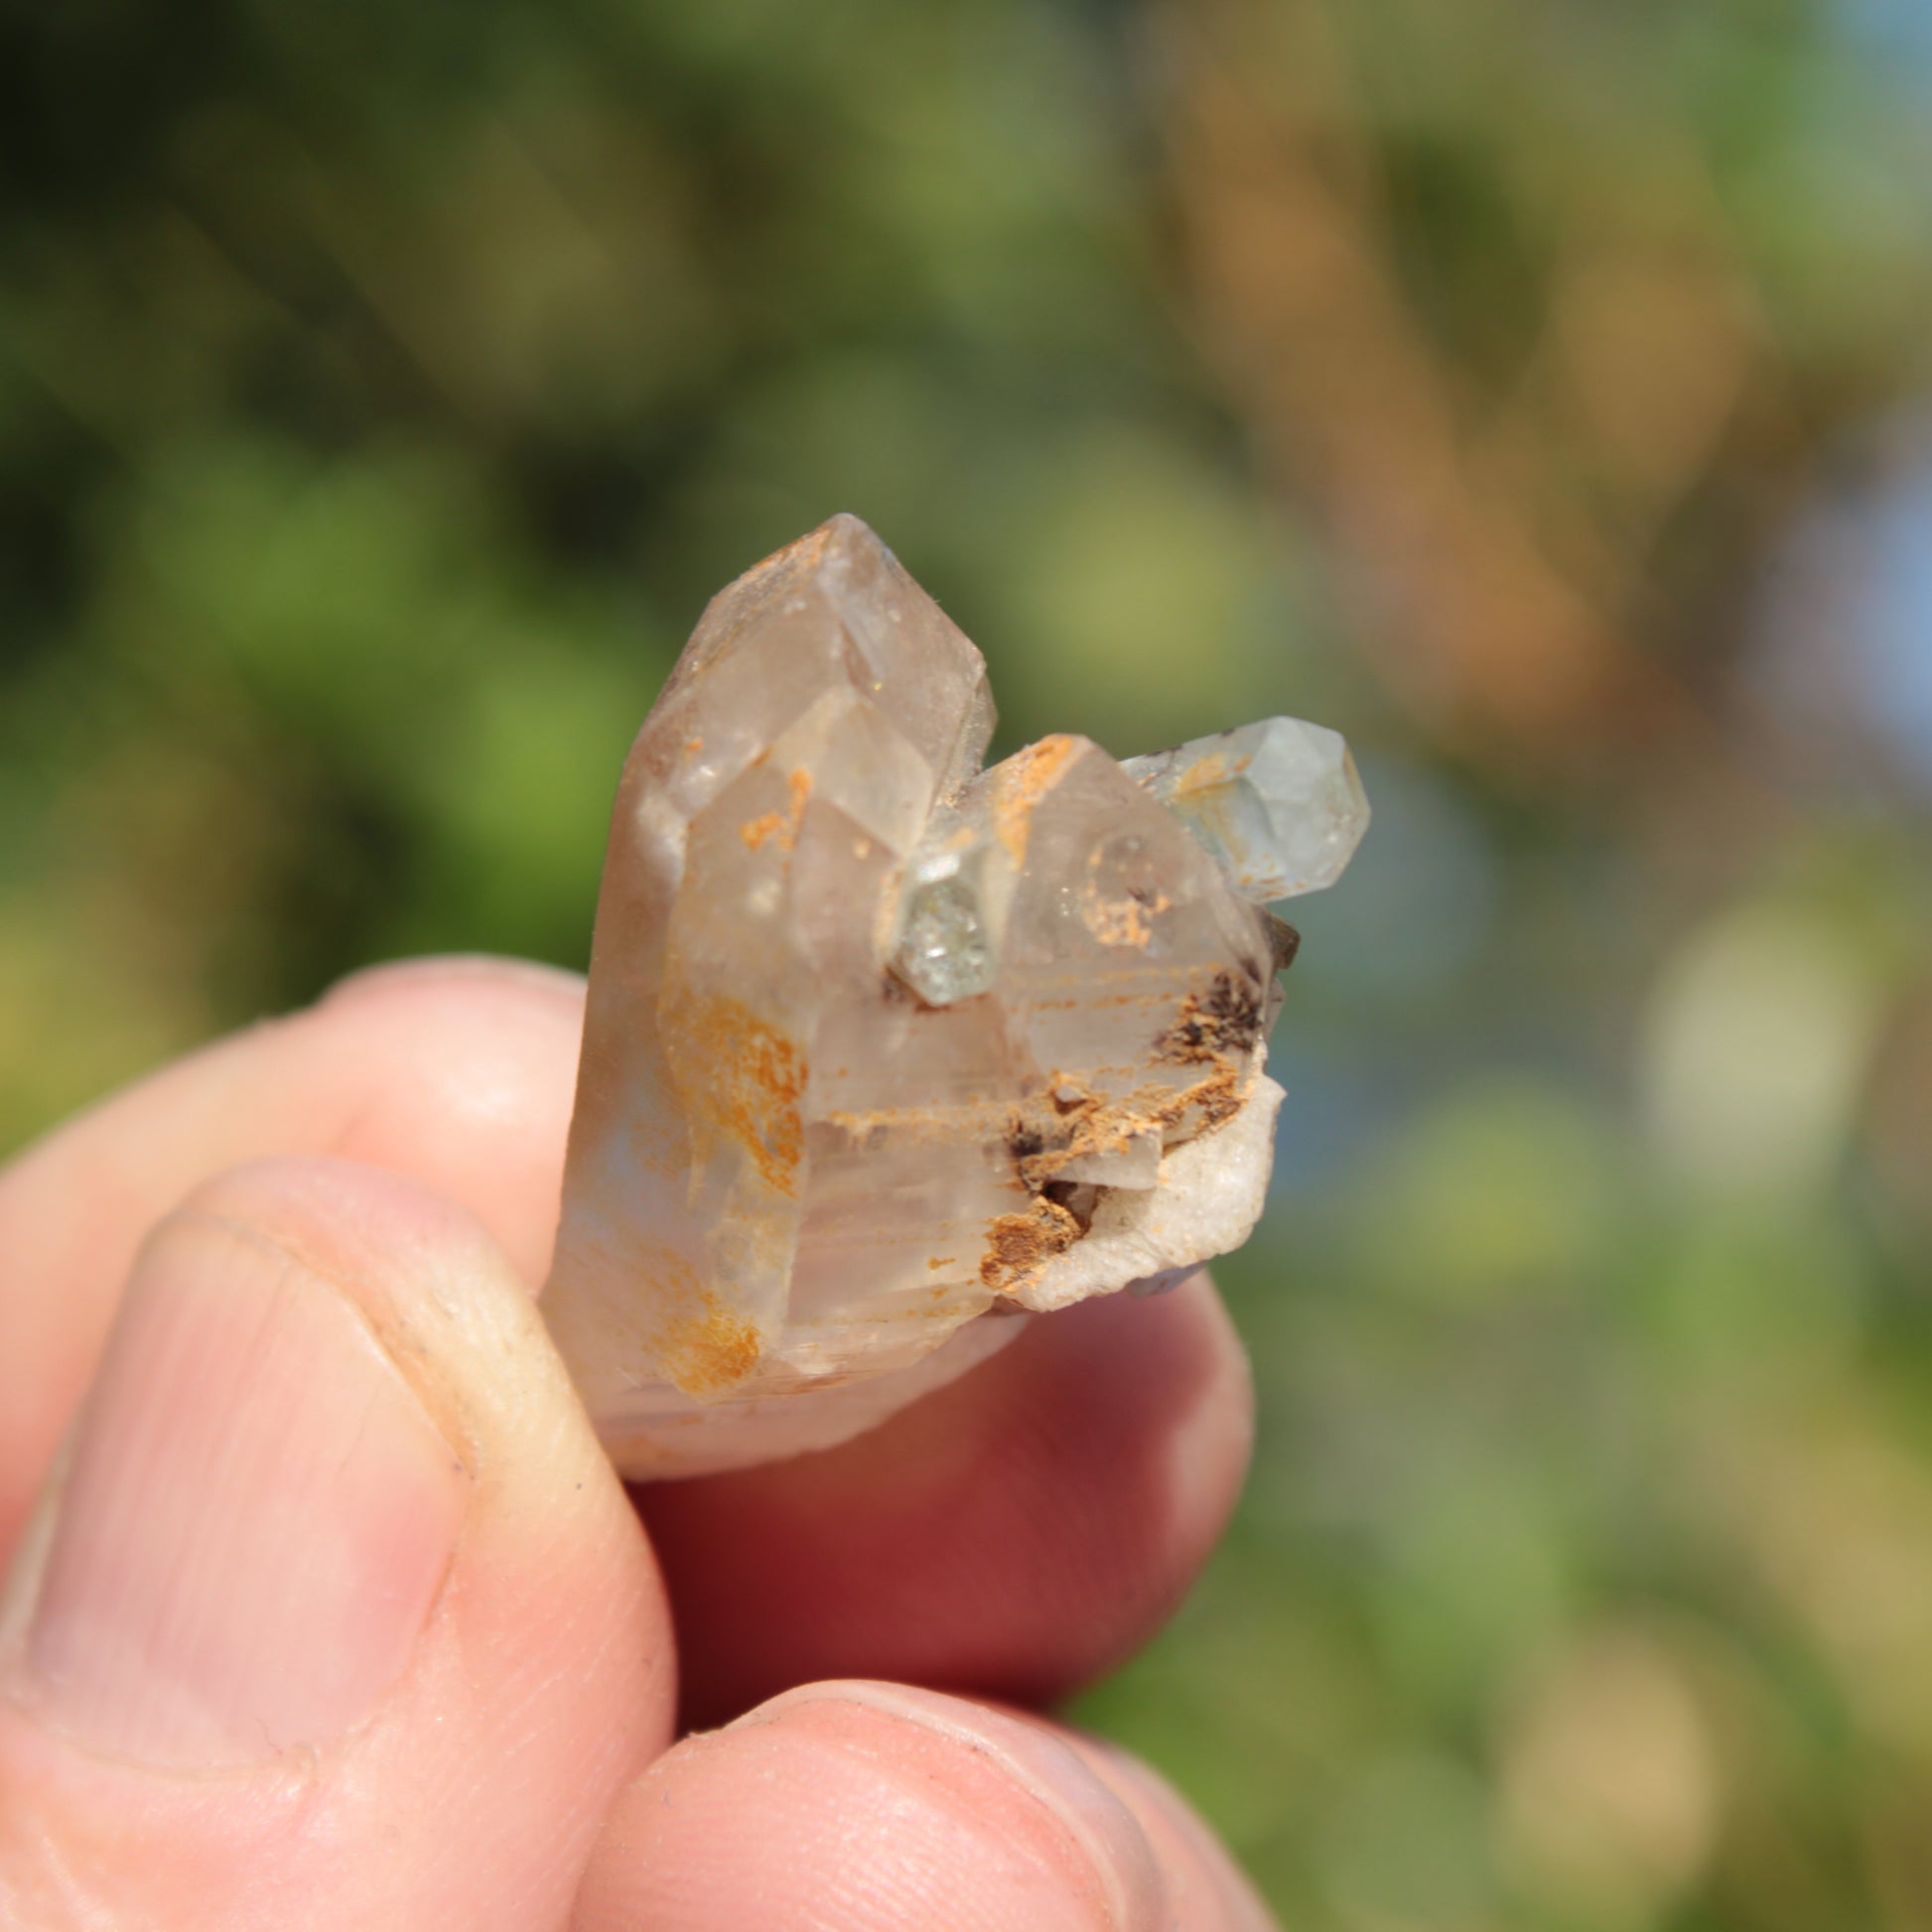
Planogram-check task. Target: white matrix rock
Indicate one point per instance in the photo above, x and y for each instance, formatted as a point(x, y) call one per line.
point(884, 1049)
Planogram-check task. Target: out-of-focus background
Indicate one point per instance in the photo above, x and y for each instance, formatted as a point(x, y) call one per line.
point(1541, 390)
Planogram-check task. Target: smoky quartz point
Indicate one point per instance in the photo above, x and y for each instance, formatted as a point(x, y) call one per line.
point(883, 1046)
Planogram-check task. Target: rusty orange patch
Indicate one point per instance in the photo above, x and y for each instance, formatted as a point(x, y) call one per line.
point(1019, 1246)
point(1025, 780)
point(1049, 1133)
point(711, 1348)
point(741, 1079)
point(1124, 922)
point(1209, 770)
point(780, 825)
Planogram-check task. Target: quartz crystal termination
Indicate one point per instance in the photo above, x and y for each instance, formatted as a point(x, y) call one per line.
point(882, 1048)
point(1278, 803)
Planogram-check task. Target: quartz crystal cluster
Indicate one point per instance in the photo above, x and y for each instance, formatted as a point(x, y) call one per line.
point(884, 1049)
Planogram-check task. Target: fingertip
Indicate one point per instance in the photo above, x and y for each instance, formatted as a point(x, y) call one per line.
point(258, 1513)
point(396, 1250)
point(869, 1806)
point(374, 1230)
point(1013, 1535)
point(460, 1070)
point(1207, 1891)
point(336, 1529)
point(432, 973)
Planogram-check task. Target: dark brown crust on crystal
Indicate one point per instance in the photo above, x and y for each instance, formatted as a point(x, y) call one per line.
point(1223, 1022)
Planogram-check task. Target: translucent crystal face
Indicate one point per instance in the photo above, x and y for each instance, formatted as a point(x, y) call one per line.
point(952, 912)
point(1278, 802)
point(878, 1042)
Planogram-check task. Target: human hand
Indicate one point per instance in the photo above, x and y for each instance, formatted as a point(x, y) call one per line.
point(333, 1614)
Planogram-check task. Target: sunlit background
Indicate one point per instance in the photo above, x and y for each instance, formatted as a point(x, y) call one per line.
point(1540, 390)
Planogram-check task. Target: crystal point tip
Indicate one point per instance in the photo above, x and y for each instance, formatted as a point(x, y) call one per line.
point(1279, 802)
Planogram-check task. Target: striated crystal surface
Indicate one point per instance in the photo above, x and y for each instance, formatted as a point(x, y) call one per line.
point(1278, 802)
point(884, 1049)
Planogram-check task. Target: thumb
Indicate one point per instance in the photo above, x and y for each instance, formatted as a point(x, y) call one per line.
point(333, 1614)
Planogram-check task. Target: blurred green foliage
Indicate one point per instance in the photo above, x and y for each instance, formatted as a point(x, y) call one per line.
point(382, 391)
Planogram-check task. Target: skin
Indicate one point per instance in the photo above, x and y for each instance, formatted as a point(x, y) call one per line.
point(440, 1663)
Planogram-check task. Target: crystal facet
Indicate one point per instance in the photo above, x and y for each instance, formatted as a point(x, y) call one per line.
point(882, 1047)
point(1278, 803)
point(952, 912)
point(944, 955)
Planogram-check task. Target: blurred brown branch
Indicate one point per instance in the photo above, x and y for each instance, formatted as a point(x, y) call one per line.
point(1499, 560)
